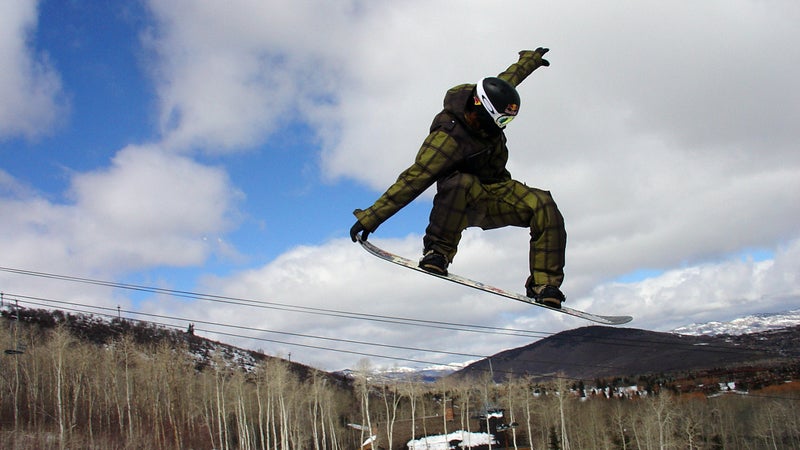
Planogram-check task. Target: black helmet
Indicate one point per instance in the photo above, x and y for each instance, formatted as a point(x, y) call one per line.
point(499, 99)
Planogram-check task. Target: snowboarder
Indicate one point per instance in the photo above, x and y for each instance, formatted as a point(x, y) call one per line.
point(465, 154)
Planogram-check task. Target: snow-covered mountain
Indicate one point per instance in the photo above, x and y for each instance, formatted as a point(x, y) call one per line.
point(426, 374)
point(743, 325)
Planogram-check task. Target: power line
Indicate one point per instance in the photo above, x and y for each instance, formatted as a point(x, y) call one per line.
point(32, 301)
point(110, 311)
point(638, 343)
point(452, 326)
point(427, 323)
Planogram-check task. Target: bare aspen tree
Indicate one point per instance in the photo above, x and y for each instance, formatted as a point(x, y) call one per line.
point(486, 387)
point(317, 411)
point(411, 388)
point(150, 399)
point(267, 422)
point(206, 404)
point(281, 388)
point(639, 435)
point(792, 421)
point(443, 385)
point(765, 425)
point(78, 372)
point(424, 414)
point(463, 389)
point(174, 362)
point(32, 368)
point(297, 423)
point(271, 415)
point(10, 341)
point(220, 384)
point(512, 387)
point(13, 385)
point(391, 400)
point(690, 420)
point(114, 388)
point(238, 386)
point(619, 424)
point(528, 398)
point(127, 354)
point(332, 426)
point(562, 392)
point(59, 342)
point(279, 400)
point(260, 380)
point(662, 407)
point(363, 374)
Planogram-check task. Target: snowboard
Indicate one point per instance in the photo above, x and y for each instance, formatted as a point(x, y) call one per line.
point(413, 265)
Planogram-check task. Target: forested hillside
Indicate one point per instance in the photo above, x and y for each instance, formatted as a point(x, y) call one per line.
point(76, 382)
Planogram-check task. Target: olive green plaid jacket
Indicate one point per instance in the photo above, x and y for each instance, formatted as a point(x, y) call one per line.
point(450, 146)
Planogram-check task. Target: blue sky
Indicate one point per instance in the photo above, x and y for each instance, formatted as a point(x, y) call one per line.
point(220, 148)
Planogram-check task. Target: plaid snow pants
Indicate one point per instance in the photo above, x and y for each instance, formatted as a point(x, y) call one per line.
point(463, 201)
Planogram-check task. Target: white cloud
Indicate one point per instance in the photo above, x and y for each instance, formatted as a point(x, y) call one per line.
point(31, 99)
point(713, 291)
point(148, 209)
point(230, 74)
point(338, 280)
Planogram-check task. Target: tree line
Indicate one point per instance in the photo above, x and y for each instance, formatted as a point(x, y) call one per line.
point(60, 390)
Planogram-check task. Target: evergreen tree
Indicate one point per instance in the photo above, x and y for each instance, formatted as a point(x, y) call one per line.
point(554, 442)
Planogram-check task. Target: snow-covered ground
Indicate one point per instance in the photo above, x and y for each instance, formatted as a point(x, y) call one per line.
point(442, 442)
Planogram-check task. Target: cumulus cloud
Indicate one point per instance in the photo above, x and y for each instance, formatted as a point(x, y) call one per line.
point(148, 209)
point(229, 75)
point(338, 292)
point(31, 97)
point(151, 207)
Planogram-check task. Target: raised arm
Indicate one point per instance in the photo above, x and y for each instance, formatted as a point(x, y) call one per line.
point(529, 60)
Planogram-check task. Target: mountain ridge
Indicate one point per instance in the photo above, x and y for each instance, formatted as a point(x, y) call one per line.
point(596, 351)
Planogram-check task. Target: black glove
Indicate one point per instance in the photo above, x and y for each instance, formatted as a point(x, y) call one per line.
point(358, 228)
point(537, 55)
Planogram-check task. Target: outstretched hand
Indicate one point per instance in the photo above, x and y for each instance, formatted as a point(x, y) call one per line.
point(356, 229)
point(537, 55)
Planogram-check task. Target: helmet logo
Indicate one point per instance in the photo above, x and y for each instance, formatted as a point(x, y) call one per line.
point(488, 105)
point(512, 109)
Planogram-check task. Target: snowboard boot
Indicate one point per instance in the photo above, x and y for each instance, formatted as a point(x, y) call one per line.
point(546, 295)
point(434, 263)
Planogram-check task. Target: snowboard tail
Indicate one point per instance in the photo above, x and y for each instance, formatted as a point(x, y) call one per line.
point(413, 265)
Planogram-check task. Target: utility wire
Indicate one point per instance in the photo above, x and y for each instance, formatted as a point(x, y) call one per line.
point(286, 307)
point(629, 343)
point(110, 313)
point(33, 300)
point(50, 302)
